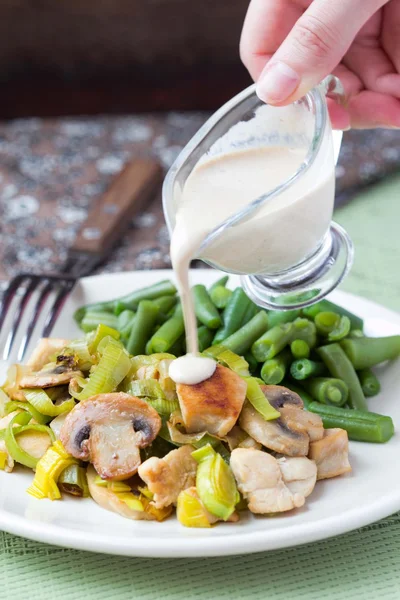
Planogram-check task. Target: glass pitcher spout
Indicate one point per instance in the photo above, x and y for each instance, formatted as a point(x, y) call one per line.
point(276, 229)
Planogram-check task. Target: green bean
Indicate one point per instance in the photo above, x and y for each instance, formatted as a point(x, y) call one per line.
point(300, 349)
point(360, 425)
point(168, 333)
point(92, 319)
point(205, 337)
point(340, 367)
point(276, 317)
point(272, 342)
point(326, 322)
point(220, 282)
point(253, 364)
point(332, 325)
point(273, 370)
point(369, 383)
point(366, 352)
point(251, 312)
point(241, 341)
point(303, 329)
point(205, 310)
point(305, 396)
point(220, 296)
point(165, 305)
point(125, 324)
point(305, 368)
point(130, 301)
point(232, 315)
point(327, 306)
point(179, 347)
point(143, 326)
point(327, 390)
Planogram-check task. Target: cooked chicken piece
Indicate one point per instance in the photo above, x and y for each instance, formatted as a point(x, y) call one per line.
point(9, 464)
point(213, 405)
point(331, 454)
point(110, 501)
point(260, 480)
point(108, 430)
point(167, 477)
point(44, 352)
point(50, 376)
point(275, 435)
point(299, 474)
point(34, 443)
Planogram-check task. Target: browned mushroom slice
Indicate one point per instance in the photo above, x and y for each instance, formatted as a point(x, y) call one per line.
point(167, 477)
point(331, 454)
point(45, 351)
point(110, 500)
point(260, 480)
point(50, 376)
point(213, 405)
point(108, 430)
point(275, 435)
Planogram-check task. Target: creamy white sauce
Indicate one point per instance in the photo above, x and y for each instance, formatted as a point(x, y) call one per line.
point(191, 369)
point(282, 233)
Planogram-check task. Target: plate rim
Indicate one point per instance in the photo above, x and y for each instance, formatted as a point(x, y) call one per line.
point(252, 542)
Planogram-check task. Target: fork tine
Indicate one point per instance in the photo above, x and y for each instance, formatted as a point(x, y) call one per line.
point(8, 297)
point(36, 314)
point(57, 306)
point(33, 283)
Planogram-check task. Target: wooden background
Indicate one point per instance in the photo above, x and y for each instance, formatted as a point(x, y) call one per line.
point(115, 56)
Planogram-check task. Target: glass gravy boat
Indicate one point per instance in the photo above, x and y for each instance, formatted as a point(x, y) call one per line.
point(324, 254)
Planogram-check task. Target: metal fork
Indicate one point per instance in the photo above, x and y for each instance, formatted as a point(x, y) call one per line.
point(111, 214)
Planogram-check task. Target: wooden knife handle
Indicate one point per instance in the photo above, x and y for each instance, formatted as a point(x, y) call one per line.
point(130, 191)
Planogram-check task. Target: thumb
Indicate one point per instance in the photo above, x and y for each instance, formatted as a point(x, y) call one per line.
point(313, 48)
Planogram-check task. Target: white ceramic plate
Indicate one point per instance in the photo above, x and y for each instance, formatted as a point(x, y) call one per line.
point(370, 492)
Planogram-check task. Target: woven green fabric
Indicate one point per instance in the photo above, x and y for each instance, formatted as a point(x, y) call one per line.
point(360, 565)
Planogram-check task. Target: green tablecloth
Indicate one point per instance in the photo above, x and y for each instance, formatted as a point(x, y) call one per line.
point(360, 565)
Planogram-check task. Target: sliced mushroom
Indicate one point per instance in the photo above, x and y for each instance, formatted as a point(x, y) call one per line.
point(299, 474)
point(44, 352)
point(167, 477)
point(301, 420)
point(213, 405)
point(110, 501)
point(291, 433)
point(51, 375)
point(275, 435)
point(331, 454)
point(108, 430)
point(260, 480)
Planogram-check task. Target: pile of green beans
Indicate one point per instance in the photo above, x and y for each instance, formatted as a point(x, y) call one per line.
point(320, 351)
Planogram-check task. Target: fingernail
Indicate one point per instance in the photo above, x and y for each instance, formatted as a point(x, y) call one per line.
point(277, 82)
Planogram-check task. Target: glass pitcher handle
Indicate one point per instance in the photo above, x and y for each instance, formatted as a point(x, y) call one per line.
point(332, 87)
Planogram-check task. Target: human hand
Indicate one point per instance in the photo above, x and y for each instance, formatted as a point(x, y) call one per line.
point(289, 46)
